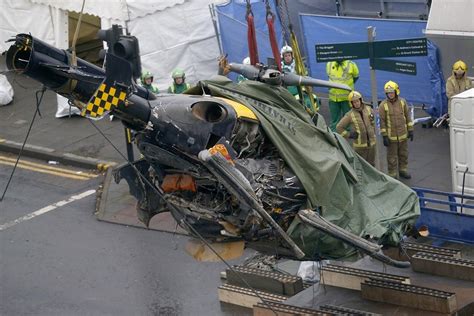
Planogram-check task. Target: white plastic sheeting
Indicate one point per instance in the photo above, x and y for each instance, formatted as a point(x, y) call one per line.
point(181, 36)
point(172, 33)
point(22, 16)
point(113, 9)
point(6, 91)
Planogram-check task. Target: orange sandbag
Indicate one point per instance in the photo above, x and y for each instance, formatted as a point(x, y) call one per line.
point(178, 182)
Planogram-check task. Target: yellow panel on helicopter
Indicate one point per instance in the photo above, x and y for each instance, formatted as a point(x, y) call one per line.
point(241, 110)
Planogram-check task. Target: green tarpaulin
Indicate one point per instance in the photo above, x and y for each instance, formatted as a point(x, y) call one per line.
point(349, 191)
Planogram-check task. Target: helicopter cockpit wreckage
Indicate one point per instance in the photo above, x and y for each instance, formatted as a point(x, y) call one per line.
point(234, 162)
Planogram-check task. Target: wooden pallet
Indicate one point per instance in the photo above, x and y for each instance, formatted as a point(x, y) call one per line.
point(246, 297)
point(278, 309)
point(409, 295)
point(268, 281)
point(351, 278)
point(443, 266)
point(412, 248)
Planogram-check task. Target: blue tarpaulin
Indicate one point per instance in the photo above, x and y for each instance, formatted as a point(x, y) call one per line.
point(438, 84)
point(424, 88)
point(233, 30)
point(427, 87)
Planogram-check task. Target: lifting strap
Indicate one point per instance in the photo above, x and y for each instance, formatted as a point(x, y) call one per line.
point(301, 69)
point(272, 35)
point(299, 65)
point(251, 35)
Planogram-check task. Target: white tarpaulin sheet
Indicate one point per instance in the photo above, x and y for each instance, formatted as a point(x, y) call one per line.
point(113, 9)
point(182, 36)
point(6, 91)
point(22, 16)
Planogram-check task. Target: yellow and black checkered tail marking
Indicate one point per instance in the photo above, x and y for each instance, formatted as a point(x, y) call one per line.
point(103, 100)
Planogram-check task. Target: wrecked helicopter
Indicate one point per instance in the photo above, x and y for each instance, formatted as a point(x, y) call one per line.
point(231, 162)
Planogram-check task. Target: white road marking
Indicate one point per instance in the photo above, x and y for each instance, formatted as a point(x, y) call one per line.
point(46, 209)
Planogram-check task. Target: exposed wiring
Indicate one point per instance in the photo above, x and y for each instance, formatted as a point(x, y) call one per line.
point(37, 111)
point(463, 185)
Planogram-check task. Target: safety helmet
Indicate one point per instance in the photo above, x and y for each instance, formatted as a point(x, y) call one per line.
point(246, 61)
point(147, 75)
point(459, 67)
point(391, 87)
point(286, 49)
point(178, 73)
point(354, 95)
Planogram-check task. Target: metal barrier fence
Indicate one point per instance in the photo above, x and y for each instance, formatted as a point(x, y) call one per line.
point(445, 216)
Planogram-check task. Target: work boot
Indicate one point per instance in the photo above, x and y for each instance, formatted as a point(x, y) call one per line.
point(404, 174)
point(393, 175)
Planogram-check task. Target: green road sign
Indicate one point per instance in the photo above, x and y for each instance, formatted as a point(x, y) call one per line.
point(401, 48)
point(403, 67)
point(331, 52)
point(360, 50)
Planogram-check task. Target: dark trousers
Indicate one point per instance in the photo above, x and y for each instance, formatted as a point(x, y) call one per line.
point(397, 157)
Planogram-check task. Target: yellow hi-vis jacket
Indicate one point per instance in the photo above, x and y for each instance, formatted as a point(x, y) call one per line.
point(344, 73)
point(362, 121)
point(395, 121)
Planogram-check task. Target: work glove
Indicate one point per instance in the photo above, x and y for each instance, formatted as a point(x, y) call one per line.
point(353, 135)
point(410, 135)
point(224, 67)
point(385, 141)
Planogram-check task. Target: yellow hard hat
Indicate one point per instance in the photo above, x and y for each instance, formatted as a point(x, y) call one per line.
point(391, 86)
point(459, 67)
point(354, 95)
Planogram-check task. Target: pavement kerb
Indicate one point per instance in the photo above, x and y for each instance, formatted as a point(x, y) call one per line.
point(48, 154)
point(103, 193)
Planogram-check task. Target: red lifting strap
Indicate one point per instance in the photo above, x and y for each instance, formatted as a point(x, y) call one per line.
point(273, 40)
point(252, 39)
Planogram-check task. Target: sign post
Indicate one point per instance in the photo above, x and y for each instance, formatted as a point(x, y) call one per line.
point(376, 52)
point(373, 89)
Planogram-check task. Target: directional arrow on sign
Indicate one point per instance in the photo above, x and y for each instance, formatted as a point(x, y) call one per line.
point(403, 67)
point(343, 51)
point(360, 50)
point(401, 48)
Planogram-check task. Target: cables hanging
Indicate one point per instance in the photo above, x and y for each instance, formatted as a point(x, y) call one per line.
point(37, 111)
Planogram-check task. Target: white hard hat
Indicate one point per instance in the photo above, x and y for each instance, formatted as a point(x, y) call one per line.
point(246, 61)
point(286, 49)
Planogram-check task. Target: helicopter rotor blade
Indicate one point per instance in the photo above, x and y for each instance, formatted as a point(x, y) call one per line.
point(374, 250)
point(291, 79)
